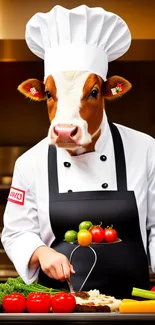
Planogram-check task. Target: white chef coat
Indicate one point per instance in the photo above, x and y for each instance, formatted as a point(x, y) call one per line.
point(26, 227)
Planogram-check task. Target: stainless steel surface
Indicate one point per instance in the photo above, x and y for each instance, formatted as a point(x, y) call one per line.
point(78, 317)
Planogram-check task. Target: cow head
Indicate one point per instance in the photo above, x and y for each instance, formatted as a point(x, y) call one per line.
point(75, 102)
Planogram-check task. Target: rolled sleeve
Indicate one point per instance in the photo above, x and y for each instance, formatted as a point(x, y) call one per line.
point(21, 232)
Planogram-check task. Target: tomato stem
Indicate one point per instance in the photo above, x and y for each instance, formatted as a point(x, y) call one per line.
point(109, 227)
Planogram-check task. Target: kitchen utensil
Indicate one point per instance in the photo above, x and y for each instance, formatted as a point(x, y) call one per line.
point(69, 282)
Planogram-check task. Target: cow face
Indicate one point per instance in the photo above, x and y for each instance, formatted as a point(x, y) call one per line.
point(75, 103)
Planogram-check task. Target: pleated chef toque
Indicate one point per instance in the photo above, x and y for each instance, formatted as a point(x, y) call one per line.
point(82, 38)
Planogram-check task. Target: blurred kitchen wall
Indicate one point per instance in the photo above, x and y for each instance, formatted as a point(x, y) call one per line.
point(138, 14)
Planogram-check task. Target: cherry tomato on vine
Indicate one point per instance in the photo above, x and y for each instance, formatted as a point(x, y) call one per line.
point(110, 234)
point(38, 302)
point(84, 237)
point(63, 303)
point(14, 303)
point(97, 233)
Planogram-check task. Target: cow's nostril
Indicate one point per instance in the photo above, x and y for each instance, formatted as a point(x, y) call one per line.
point(56, 130)
point(74, 132)
point(65, 130)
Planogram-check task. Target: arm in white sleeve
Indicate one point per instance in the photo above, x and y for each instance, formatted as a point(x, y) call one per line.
point(21, 233)
point(151, 204)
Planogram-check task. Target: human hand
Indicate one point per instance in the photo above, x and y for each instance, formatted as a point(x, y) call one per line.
point(53, 263)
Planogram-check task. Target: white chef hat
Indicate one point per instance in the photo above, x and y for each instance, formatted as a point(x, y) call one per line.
point(82, 38)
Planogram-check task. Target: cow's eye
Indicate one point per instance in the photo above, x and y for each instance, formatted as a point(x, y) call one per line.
point(48, 94)
point(94, 93)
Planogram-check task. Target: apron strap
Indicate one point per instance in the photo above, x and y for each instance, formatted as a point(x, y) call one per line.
point(119, 161)
point(119, 158)
point(52, 171)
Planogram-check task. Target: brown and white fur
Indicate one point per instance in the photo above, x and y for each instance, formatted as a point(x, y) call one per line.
point(76, 102)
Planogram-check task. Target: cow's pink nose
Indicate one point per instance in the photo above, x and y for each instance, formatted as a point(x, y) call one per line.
point(66, 130)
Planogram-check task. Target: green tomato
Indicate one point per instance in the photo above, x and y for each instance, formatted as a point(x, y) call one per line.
point(85, 225)
point(70, 236)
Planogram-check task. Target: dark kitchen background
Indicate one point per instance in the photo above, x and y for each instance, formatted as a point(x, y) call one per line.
point(23, 122)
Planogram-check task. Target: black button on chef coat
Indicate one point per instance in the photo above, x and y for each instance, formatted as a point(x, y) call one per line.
point(103, 158)
point(104, 185)
point(67, 164)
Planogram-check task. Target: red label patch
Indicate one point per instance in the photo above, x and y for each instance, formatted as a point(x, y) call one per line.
point(17, 196)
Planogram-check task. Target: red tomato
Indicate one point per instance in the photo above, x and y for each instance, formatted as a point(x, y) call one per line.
point(153, 288)
point(63, 303)
point(53, 295)
point(97, 233)
point(110, 235)
point(38, 302)
point(14, 303)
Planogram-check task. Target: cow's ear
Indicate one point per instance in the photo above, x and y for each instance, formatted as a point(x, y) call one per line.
point(33, 89)
point(115, 87)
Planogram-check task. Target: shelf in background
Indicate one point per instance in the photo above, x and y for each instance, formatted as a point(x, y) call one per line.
point(16, 50)
point(4, 187)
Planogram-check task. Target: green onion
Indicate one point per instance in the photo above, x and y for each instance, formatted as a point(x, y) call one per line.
point(143, 293)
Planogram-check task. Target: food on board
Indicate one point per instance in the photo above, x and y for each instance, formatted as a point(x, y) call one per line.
point(93, 301)
point(146, 306)
point(63, 303)
point(14, 303)
point(18, 297)
point(38, 302)
point(18, 285)
point(141, 293)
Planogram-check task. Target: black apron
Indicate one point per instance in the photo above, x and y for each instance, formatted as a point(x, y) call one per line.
point(120, 266)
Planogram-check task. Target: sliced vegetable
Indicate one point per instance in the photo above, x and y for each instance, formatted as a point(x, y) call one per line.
point(143, 293)
point(63, 303)
point(147, 306)
point(97, 233)
point(84, 237)
point(14, 303)
point(38, 302)
point(85, 225)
